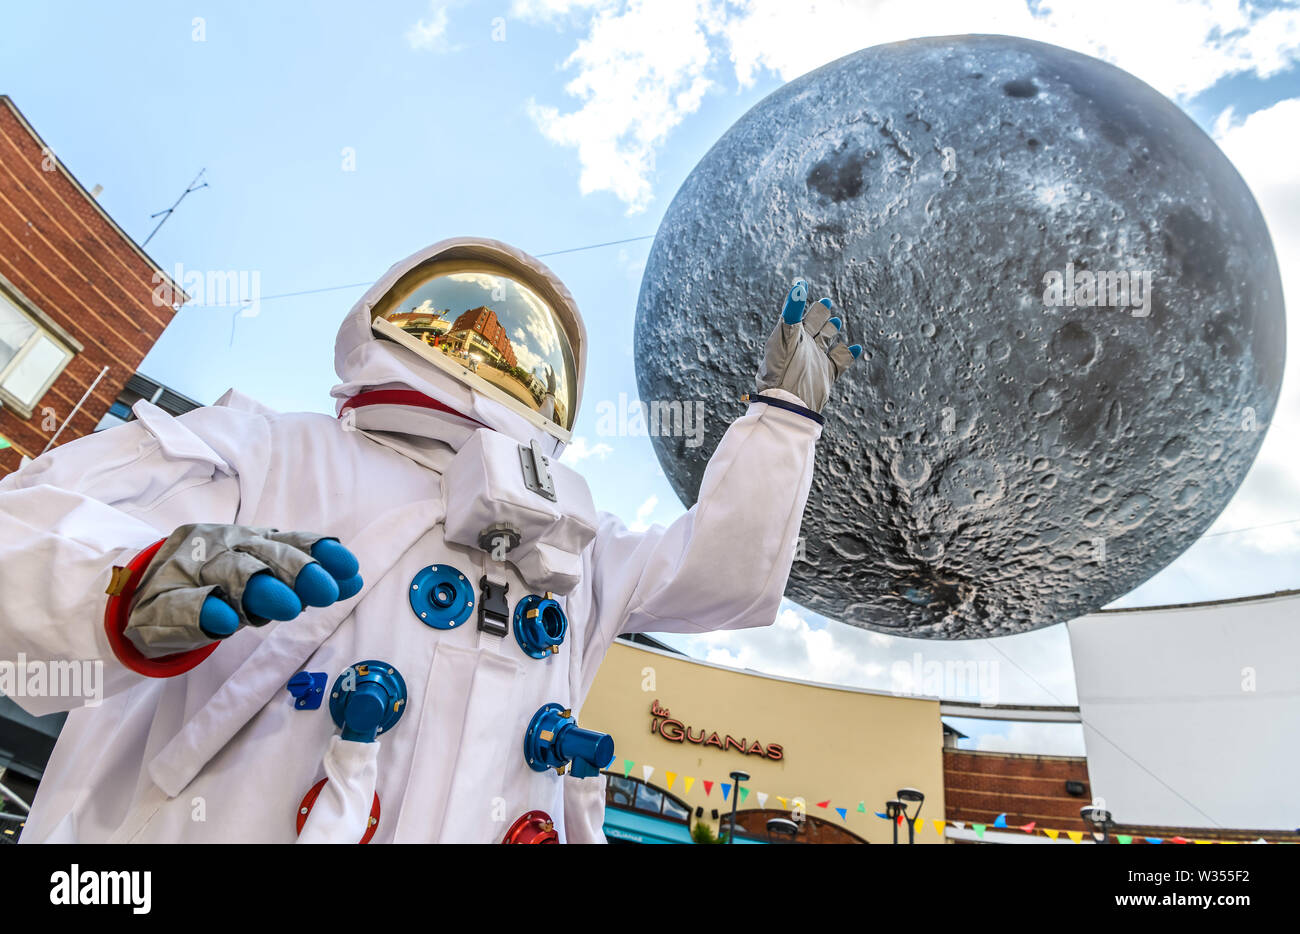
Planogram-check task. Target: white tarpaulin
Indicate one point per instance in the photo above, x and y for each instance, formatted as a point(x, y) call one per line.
point(1192, 714)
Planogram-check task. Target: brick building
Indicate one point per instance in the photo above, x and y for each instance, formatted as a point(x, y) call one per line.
point(77, 308)
point(483, 321)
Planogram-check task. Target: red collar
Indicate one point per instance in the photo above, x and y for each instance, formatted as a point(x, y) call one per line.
point(403, 397)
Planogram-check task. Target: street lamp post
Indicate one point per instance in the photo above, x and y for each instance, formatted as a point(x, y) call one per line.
point(908, 796)
point(893, 809)
point(1100, 820)
point(736, 778)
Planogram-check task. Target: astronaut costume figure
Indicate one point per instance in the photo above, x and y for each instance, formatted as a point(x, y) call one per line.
point(382, 625)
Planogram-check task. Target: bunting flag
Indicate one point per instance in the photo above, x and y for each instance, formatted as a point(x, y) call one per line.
point(784, 801)
point(708, 788)
point(824, 804)
point(688, 781)
point(647, 771)
point(843, 813)
point(762, 798)
point(744, 795)
point(1124, 838)
point(862, 807)
point(1052, 833)
point(672, 777)
point(1155, 839)
point(1177, 839)
point(1000, 820)
point(899, 821)
point(627, 767)
point(959, 824)
point(882, 815)
point(726, 789)
point(938, 827)
point(1029, 827)
point(1075, 835)
point(1207, 841)
point(979, 830)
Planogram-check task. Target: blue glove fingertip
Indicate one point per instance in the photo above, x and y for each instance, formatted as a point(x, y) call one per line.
point(217, 618)
point(795, 303)
point(315, 586)
point(839, 325)
point(350, 587)
point(265, 597)
point(856, 350)
point(826, 302)
point(336, 559)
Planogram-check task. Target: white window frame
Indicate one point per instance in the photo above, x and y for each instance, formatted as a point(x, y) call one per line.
point(45, 327)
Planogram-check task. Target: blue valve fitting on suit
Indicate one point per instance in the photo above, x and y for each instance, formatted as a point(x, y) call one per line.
point(441, 596)
point(368, 699)
point(553, 740)
point(540, 625)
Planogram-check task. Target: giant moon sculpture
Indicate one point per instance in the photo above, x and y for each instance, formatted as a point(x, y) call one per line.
point(1071, 311)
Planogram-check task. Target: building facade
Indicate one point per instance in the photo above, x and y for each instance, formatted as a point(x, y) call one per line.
point(77, 306)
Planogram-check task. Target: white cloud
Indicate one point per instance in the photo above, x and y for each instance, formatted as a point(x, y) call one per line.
point(431, 34)
point(643, 513)
point(644, 65)
point(578, 450)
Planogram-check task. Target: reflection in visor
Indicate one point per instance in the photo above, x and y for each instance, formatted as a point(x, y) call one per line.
point(499, 330)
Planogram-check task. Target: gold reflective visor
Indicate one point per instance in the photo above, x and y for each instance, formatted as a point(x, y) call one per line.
point(489, 330)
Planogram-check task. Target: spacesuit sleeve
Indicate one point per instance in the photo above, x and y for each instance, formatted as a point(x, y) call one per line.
point(70, 516)
point(724, 564)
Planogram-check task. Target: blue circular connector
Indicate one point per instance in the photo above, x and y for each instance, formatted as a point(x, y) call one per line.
point(368, 699)
point(554, 740)
point(540, 625)
point(441, 596)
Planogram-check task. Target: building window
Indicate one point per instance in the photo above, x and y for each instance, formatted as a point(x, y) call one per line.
point(33, 352)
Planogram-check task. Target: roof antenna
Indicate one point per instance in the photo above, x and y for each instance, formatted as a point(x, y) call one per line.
point(193, 186)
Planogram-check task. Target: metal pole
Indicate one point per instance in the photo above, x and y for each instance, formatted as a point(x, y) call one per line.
point(75, 409)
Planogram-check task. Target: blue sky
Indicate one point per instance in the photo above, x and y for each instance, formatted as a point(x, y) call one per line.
point(338, 138)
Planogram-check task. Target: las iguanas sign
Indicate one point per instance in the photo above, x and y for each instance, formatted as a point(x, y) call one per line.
point(663, 724)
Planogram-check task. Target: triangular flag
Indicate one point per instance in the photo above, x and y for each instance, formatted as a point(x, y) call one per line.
point(1052, 833)
point(1124, 838)
point(843, 813)
point(744, 793)
point(882, 815)
point(708, 788)
point(959, 824)
point(627, 767)
point(784, 801)
point(979, 830)
point(1207, 841)
point(1155, 839)
point(688, 781)
point(899, 821)
point(762, 798)
point(938, 827)
point(1177, 839)
point(862, 807)
point(1075, 835)
point(1029, 827)
point(1000, 820)
point(726, 789)
point(647, 771)
point(824, 804)
point(672, 777)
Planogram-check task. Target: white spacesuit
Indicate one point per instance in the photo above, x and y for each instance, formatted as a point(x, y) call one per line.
point(441, 475)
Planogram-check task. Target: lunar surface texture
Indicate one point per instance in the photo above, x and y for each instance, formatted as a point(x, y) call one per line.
point(1070, 308)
